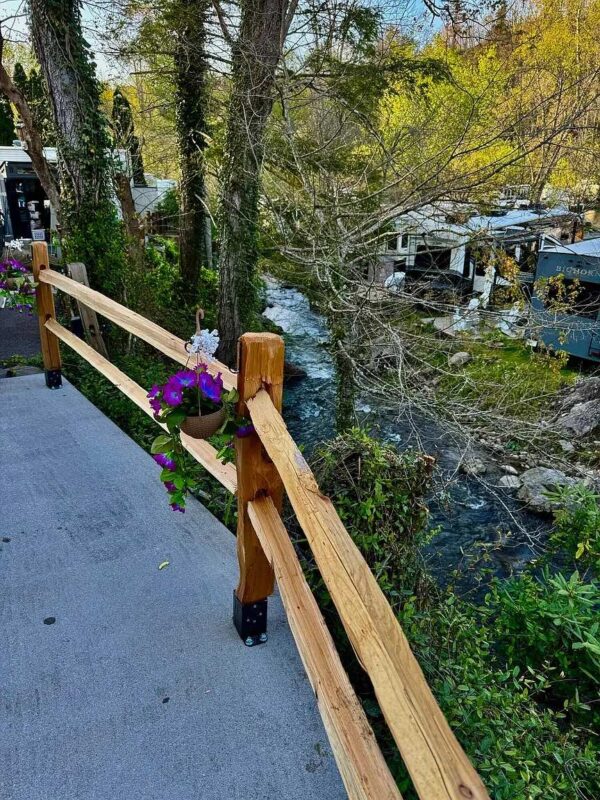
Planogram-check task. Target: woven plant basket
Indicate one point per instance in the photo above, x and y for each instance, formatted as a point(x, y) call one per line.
point(205, 426)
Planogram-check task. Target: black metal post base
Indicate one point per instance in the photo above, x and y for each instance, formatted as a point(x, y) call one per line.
point(250, 620)
point(53, 378)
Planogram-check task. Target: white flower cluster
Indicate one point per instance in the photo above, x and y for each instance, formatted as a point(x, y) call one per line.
point(15, 244)
point(205, 342)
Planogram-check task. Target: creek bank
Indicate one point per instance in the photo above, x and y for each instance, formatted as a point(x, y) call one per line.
point(472, 515)
point(578, 409)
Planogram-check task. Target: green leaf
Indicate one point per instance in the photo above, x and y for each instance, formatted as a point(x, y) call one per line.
point(162, 444)
point(174, 420)
point(163, 564)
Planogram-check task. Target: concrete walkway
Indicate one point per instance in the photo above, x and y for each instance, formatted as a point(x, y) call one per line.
point(119, 681)
point(19, 334)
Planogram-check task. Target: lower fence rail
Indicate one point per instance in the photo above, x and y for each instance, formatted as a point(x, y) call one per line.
point(438, 766)
point(361, 764)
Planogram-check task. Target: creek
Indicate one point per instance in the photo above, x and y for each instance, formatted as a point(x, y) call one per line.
point(477, 522)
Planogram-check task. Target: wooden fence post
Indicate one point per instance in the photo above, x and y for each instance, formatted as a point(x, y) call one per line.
point(45, 310)
point(260, 362)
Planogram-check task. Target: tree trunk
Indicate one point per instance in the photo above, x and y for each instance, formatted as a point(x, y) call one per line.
point(192, 100)
point(135, 234)
point(91, 230)
point(255, 56)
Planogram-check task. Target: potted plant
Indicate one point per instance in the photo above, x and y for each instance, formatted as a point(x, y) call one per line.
point(193, 402)
point(17, 287)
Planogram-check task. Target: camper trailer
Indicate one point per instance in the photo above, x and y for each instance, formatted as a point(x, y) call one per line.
point(25, 207)
point(575, 327)
point(444, 245)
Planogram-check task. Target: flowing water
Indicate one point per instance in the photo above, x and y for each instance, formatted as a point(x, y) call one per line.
point(476, 521)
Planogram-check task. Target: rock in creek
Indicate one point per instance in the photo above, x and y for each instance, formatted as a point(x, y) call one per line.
point(510, 482)
point(471, 465)
point(539, 480)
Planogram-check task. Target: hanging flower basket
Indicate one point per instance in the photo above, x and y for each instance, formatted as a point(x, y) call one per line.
point(193, 401)
point(204, 427)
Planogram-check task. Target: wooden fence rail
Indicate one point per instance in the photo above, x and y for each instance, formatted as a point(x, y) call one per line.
point(267, 463)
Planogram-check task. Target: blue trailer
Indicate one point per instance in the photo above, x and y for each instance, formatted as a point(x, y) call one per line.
point(570, 322)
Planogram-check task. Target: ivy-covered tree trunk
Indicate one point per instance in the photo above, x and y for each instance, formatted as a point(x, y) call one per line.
point(7, 122)
point(255, 56)
point(125, 138)
point(189, 18)
point(91, 230)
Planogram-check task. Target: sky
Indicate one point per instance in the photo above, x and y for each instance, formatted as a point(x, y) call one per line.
point(12, 14)
point(14, 26)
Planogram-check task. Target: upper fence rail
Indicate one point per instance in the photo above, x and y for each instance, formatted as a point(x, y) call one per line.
point(134, 323)
point(267, 463)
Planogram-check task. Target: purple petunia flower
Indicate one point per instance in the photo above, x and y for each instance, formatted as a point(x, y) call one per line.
point(155, 405)
point(177, 507)
point(154, 391)
point(165, 461)
point(211, 387)
point(172, 394)
point(170, 486)
point(245, 430)
point(185, 379)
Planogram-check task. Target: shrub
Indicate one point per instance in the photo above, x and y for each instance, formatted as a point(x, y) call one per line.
point(524, 746)
point(550, 624)
point(379, 495)
point(521, 749)
point(577, 524)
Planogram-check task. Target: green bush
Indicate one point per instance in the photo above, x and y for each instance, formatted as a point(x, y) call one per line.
point(577, 524)
point(521, 748)
point(506, 709)
point(550, 624)
point(379, 495)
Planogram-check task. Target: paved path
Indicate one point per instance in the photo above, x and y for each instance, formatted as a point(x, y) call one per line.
point(19, 334)
point(141, 688)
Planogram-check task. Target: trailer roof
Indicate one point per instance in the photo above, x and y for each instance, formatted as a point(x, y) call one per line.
point(18, 155)
point(586, 247)
point(518, 216)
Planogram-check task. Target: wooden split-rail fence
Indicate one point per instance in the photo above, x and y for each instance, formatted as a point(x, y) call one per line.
point(269, 463)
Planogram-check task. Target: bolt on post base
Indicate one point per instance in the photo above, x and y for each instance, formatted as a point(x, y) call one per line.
point(53, 378)
point(250, 620)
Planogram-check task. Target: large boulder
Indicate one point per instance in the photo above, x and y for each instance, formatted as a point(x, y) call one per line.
point(578, 411)
point(539, 480)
